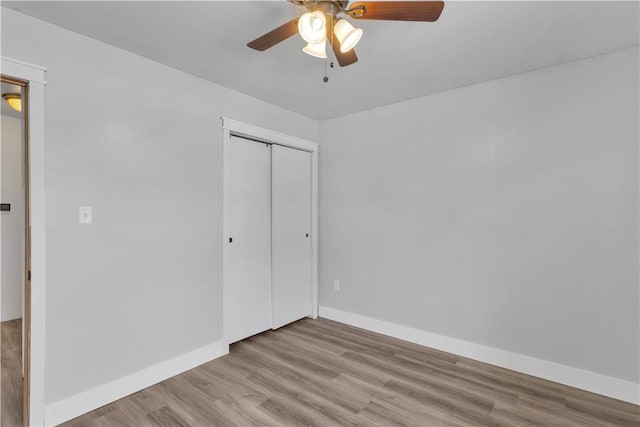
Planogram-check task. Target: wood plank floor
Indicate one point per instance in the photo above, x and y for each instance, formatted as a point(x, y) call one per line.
point(11, 374)
point(319, 372)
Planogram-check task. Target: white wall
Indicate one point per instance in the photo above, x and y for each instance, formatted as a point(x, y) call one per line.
point(504, 213)
point(141, 143)
point(12, 262)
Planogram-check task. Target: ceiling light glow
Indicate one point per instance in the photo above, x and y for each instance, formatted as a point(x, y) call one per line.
point(319, 50)
point(347, 35)
point(312, 27)
point(14, 101)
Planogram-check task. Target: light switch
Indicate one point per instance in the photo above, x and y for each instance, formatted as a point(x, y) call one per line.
point(85, 215)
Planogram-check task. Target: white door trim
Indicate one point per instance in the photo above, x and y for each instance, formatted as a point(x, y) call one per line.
point(267, 135)
point(35, 75)
point(229, 127)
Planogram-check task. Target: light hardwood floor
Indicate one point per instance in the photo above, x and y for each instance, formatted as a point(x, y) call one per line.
point(319, 372)
point(11, 375)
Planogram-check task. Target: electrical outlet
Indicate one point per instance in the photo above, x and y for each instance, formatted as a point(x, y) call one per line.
point(336, 285)
point(85, 215)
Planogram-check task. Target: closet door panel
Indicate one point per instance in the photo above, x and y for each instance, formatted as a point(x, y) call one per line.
point(247, 270)
point(291, 240)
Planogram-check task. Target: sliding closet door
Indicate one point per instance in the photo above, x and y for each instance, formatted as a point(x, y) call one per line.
point(247, 270)
point(291, 228)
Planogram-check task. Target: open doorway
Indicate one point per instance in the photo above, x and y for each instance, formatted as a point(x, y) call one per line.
point(14, 253)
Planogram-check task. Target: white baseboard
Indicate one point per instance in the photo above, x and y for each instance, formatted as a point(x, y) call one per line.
point(585, 380)
point(74, 406)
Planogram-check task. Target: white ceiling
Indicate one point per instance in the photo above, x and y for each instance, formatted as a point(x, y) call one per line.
point(472, 42)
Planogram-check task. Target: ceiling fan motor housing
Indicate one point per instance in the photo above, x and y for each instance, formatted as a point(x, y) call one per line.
point(329, 7)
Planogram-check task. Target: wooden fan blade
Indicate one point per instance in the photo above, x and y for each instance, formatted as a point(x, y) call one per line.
point(428, 11)
point(274, 37)
point(346, 58)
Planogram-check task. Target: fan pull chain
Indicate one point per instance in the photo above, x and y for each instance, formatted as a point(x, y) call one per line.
point(325, 78)
point(326, 60)
point(331, 65)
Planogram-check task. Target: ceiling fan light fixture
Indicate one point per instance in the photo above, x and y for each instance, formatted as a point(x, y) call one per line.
point(319, 24)
point(319, 50)
point(14, 101)
point(312, 27)
point(347, 35)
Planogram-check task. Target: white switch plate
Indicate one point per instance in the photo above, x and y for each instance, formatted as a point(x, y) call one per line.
point(85, 215)
point(336, 285)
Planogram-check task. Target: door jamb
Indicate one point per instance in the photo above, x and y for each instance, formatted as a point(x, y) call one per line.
point(238, 128)
point(32, 76)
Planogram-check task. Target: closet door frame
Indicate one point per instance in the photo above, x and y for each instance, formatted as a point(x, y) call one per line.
point(233, 127)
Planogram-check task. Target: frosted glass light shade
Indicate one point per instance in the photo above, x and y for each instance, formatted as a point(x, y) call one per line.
point(347, 35)
point(312, 27)
point(319, 50)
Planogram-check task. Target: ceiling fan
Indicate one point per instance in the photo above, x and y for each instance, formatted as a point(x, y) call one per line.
point(321, 24)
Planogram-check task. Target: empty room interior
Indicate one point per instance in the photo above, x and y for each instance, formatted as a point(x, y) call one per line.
point(320, 212)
